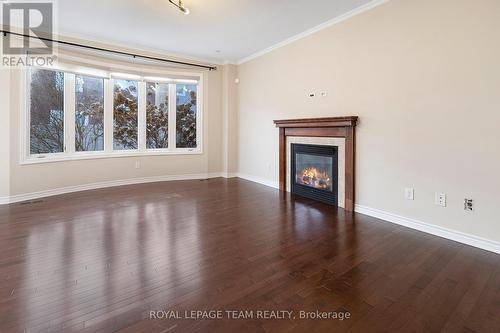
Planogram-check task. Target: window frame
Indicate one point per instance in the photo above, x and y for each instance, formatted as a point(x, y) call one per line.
point(171, 113)
point(140, 119)
point(174, 112)
point(70, 73)
point(27, 119)
point(73, 112)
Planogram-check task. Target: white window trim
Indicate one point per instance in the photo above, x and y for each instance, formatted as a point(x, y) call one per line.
point(69, 116)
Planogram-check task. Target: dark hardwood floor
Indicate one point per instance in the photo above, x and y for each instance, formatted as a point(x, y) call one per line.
point(100, 261)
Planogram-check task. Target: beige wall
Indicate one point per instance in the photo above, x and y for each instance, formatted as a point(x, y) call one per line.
point(230, 119)
point(214, 96)
point(25, 179)
point(424, 78)
point(4, 132)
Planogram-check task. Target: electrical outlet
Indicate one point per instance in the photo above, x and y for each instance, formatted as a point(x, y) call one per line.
point(469, 205)
point(137, 164)
point(440, 199)
point(324, 94)
point(409, 194)
point(311, 95)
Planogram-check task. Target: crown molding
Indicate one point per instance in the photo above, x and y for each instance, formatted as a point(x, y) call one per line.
point(327, 24)
point(71, 36)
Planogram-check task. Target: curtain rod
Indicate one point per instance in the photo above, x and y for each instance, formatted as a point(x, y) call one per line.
point(5, 32)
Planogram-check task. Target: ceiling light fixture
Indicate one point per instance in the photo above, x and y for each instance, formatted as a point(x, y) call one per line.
point(180, 5)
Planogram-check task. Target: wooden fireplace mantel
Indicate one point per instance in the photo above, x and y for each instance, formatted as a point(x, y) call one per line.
point(333, 127)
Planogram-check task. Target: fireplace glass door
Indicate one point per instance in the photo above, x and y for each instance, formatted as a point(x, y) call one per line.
point(314, 172)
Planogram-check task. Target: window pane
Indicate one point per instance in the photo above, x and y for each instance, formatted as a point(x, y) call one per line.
point(156, 115)
point(125, 115)
point(89, 117)
point(186, 116)
point(46, 112)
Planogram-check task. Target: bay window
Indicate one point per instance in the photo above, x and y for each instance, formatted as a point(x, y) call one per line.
point(89, 113)
point(157, 115)
point(71, 115)
point(186, 115)
point(46, 112)
point(125, 116)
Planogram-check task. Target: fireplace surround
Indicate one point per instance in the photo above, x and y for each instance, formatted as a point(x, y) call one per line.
point(335, 128)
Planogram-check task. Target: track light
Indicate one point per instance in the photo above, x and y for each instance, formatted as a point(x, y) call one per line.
point(181, 6)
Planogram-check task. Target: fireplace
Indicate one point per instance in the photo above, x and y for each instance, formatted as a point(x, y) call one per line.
point(332, 127)
point(314, 172)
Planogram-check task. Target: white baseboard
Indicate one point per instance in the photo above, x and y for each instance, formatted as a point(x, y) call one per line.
point(100, 185)
point(457, 236)
point(4, 200)
point(229, 175)
point(261, 181)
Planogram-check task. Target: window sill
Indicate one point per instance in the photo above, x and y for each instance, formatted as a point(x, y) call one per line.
point(101, 155)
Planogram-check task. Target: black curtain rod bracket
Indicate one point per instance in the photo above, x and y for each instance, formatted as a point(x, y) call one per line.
point(133, 55)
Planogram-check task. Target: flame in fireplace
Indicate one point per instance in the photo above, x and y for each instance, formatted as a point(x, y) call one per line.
point(314, 178)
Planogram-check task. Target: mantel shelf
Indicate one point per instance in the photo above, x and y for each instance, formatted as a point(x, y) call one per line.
point(318, 122)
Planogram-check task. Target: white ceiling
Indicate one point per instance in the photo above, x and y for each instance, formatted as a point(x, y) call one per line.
point(237, 28)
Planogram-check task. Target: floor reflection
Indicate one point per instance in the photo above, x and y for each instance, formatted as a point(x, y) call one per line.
point(81, 261)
